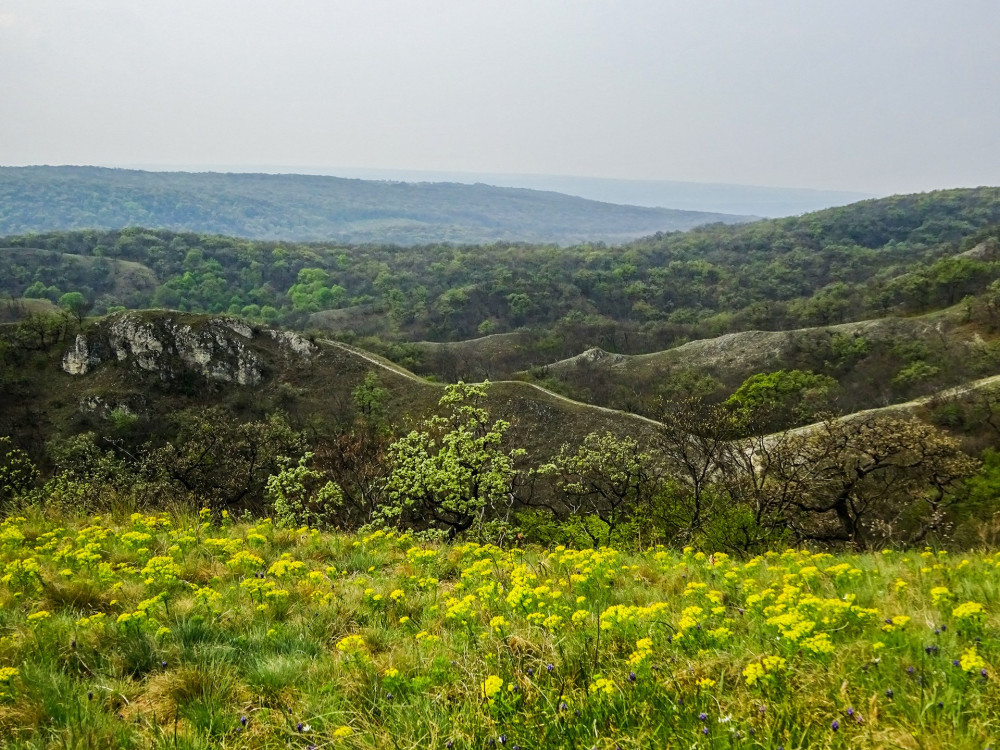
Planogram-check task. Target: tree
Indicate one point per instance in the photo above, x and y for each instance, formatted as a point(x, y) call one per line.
point(695, 441)
point(788, 396)
point(608, 478)
point(17, 471)
point(224, 463)
point(77, 304)
point(870, 480)
point(454, 474)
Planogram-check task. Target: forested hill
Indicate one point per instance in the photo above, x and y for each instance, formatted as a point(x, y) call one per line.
point(901, 254)
point(315, 208)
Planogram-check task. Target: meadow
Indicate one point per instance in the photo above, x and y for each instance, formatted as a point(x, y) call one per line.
point(189, 631)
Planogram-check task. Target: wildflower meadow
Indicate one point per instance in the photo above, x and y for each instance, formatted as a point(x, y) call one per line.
point(187, 631)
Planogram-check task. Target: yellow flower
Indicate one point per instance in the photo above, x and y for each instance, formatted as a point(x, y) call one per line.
point(491, 686)
point(352, 644)
point(971, 661)
point(343, 731)
point(968, 611)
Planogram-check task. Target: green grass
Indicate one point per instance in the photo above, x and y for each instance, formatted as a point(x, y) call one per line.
point(170, 631)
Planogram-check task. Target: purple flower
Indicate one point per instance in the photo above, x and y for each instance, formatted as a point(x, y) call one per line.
point(631, 676)
point(982, 673)
point(910, 670)
point(549, 667)
point(163, 664)
point(243, 720)
point(704, 730)
point(888, 693)
point(850, 712)
point(835, 725)
point(502, 739)
point(563, 706)
point(703, 716)
point(954, 662)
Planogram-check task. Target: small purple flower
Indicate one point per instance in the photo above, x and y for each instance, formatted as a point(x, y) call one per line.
point(449, 744)
point(632, 678)
point(704, 730)
point(910, 670)
point(982, 673)
point(703, 716)
point(163, 664)
point(388, 696)
point(850, 712)
point(243, 720)
point(944, 628)
point(954, 662)
point(90, 695)
point(888, 693)
point(940, 704)
point(531, 672)
point(835, 725)
point(549, 667)
point(502, 739)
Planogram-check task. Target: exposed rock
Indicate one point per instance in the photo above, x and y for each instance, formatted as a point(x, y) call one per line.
point(293, 341)
point(77, 361)
point(168, 348)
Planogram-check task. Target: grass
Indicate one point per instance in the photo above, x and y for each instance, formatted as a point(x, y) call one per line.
point(171, 631)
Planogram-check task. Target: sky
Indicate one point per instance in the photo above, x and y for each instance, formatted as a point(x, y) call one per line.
point(880, 96)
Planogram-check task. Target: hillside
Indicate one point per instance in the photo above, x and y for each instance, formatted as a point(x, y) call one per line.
point(154, 364)
point(901, 255)
point(305, 208)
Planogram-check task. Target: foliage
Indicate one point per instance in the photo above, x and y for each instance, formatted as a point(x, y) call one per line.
point(787, 396)
point(301, 496)
point(606, 479)
point(17, 471)
point(851, 263)
point(454, 474)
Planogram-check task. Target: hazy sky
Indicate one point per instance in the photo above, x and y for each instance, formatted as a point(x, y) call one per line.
point(874, 95)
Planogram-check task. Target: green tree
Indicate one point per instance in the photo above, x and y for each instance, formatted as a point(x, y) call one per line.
point(455, 474)
point(76, 304)
point(786, 396)
point(607, 478)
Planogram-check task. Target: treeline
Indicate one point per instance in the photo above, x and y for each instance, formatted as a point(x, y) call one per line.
point(865, 260)
point(866, 482)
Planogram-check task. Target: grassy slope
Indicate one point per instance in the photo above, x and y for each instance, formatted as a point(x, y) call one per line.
point(163, 631)
point(732, 358)
point(315, 392)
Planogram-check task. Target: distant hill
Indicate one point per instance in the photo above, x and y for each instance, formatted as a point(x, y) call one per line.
point(758, 200)
point(310, 208)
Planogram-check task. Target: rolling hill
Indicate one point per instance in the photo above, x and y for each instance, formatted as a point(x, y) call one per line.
point(310, 208)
